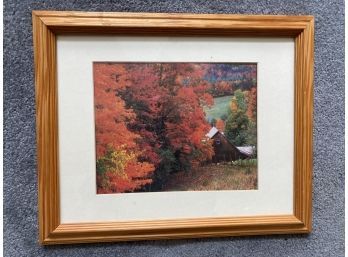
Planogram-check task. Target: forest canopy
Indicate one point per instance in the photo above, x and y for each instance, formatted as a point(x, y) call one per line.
point(151, 121)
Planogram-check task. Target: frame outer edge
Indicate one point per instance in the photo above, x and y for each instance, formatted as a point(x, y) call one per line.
point(52, 232)
point(46, 124)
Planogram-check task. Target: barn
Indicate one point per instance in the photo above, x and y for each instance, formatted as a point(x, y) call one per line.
point(224, 150)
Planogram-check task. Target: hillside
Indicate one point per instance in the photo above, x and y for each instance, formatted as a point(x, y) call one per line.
point(220, 107)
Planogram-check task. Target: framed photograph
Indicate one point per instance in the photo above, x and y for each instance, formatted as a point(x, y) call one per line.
point(157, 126)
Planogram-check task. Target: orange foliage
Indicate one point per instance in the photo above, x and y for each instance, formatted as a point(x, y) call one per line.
point(168, 101)
point(134, 177)
point(234, 106)
point(186, 133)
point(220, 125)
point(251, 99)
point(143, 110)
point(111, 119)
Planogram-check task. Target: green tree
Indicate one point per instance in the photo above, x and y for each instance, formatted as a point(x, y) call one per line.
point(237, 123)
point(252, 136)
point(213, 122)
point(224, 116)
point(236, 129)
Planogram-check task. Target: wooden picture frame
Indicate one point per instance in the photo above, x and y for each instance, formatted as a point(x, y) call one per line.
point(48, 24)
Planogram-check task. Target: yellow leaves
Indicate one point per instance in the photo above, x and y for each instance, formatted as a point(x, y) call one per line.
point(118, 160)
point(234, 105)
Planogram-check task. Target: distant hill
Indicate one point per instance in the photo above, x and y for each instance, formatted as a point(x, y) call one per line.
point(225, 78)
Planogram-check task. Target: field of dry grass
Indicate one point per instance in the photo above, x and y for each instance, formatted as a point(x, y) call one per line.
point(214, 177)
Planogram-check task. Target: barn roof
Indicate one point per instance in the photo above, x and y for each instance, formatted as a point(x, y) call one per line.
point(212, 132)
point(248, 150)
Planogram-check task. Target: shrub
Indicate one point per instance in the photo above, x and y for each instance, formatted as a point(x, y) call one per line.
point(245, 163)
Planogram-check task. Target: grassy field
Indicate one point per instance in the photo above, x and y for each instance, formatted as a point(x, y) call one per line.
point(214, 177)
point(220, 107)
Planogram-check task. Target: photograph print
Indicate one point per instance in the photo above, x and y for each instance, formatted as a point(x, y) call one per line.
point(175, 126)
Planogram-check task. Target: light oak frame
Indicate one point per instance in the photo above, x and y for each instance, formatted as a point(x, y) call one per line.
point(48, 24)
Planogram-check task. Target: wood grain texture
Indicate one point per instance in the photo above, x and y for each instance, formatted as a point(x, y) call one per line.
point(303, 162)
point(173, 24)
point(47, 24)
point(47, 127)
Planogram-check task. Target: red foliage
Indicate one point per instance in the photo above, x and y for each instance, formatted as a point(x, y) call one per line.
point(111, 119)
point(224, 88)
point(168, 99)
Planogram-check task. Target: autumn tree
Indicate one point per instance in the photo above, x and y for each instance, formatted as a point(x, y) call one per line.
point(220, 125)
point(167, 99)
point(223, 88)
point(150, 119)
point(185, 128)
point(252, 115)
point(251, 98)
point(117, 153)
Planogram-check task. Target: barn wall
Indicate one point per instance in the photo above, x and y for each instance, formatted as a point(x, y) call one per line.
point(20, 180)
point(225, 151)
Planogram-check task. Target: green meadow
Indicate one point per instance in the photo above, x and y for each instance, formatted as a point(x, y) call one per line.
point(220, 107)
